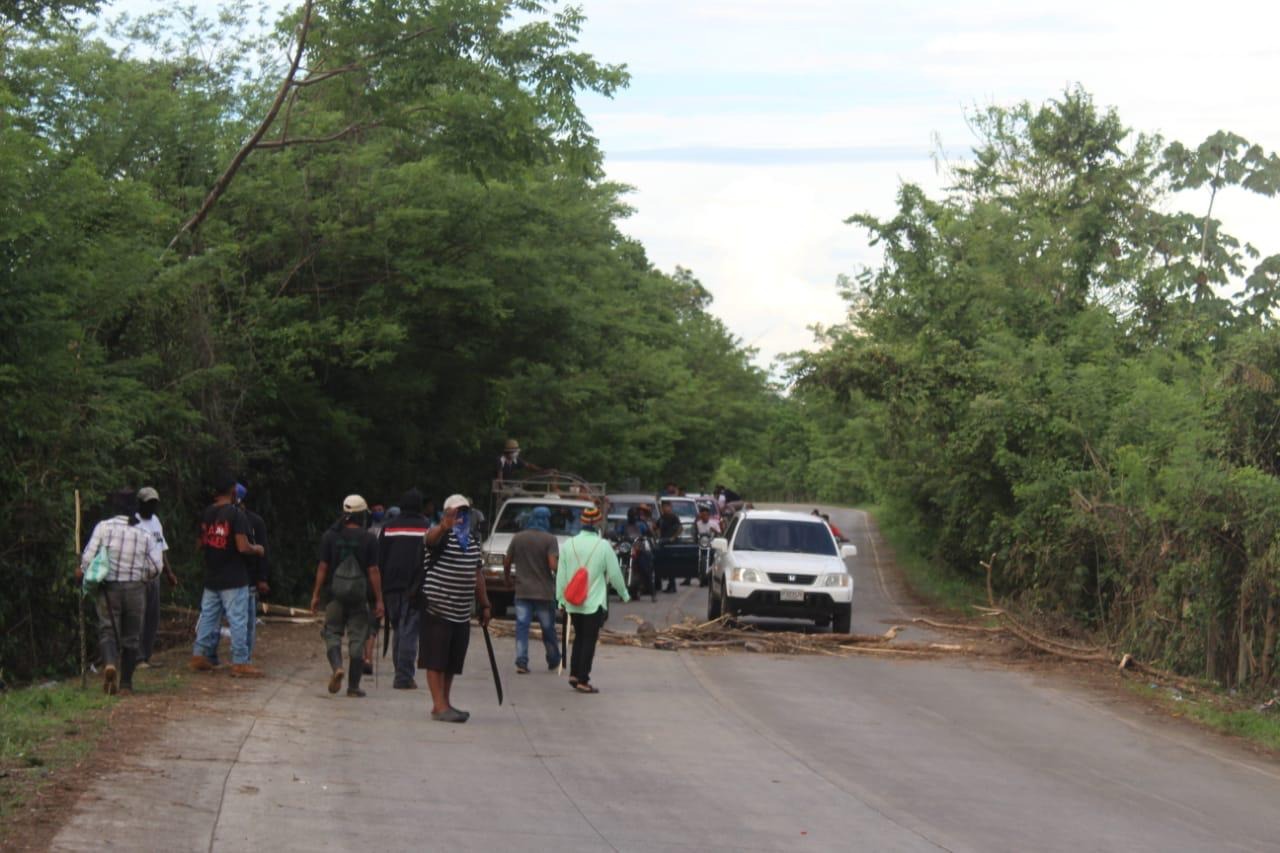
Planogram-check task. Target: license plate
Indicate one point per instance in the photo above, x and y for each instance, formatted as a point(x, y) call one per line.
point(792, 595)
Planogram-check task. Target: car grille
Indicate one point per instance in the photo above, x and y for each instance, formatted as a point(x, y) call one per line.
point(800, 580)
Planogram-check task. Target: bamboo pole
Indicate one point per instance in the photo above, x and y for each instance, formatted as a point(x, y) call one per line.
point(84, 672)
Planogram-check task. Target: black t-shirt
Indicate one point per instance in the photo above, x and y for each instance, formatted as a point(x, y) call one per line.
point(669, 526)
point(331, 551)
point(224, 566)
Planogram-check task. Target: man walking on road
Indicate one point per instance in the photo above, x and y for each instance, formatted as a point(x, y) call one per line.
point(148, 520)
point(669, 527)
point(399, 556)
point(224, 539)
point(345, 577)
point(534, 552)
point(133, 562)
point(588, 550)
point(452, 583)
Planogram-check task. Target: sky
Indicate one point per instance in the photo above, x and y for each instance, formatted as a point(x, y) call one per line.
point(753, 128)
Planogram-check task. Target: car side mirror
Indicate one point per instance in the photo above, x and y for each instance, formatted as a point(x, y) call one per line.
point(719, 544)
point(847, 551)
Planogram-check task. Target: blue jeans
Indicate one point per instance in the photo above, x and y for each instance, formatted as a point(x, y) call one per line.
point(404, 618)
point(545, 610)
point(214, 604)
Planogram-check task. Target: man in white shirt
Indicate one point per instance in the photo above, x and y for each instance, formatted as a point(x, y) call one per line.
point(149, 521)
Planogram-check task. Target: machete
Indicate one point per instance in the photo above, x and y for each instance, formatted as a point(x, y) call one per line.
point(386, 632)
point(493, 662)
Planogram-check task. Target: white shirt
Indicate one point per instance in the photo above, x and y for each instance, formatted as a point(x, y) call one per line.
point(155, 530)
point(708, 526)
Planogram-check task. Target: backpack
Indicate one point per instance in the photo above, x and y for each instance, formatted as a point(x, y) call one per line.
point(575, 591)
point(349, 586)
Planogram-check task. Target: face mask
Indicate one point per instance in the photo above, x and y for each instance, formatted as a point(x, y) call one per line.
point(378, 515)
point(147, 510)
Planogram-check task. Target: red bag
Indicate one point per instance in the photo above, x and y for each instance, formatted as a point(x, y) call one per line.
point(575, 591)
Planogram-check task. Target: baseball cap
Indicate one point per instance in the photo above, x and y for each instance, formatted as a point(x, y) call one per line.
point(354, 503)
point(146, 493)
point(454, 501)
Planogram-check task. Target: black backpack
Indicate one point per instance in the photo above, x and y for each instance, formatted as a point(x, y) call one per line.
point(350, 584)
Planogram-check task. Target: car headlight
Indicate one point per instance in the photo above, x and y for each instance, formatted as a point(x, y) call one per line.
point(837, 579)
point(741, 575)
point(494, 561)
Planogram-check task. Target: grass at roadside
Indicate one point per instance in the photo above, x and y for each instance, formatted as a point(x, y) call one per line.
point(1221, 713)
point(46, 728)
point(928, 581)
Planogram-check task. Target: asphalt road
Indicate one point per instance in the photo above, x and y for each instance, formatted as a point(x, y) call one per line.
point(684, 751)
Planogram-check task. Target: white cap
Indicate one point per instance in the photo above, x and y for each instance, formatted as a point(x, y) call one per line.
point(454, 501)
point(354, 503)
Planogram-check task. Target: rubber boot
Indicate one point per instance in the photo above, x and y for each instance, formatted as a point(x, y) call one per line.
point(335, 664)
point(356, 670)
point(128, 663)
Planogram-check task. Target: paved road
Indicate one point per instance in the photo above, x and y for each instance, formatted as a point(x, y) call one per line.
point(691, 752)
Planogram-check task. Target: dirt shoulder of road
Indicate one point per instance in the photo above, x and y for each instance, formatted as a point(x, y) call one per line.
point(38, 800)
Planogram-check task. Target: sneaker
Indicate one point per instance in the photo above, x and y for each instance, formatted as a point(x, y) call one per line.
point(405, 685)
point(335, 681)
point(449, 715)
point(142, 664)
point(200, 663)
point(356, 693)
point(522, 669)
point(246, 670)
point(110, 679)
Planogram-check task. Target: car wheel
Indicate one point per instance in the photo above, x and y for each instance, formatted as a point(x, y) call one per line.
point(713, 603)
point(842, 620)
point(725, 607)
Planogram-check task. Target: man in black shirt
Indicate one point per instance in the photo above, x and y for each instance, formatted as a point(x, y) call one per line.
point(669, 527)
point(346, 599)
point(224, 540)
point(399, 556)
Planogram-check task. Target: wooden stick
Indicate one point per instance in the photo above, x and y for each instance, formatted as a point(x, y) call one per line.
point(84, 653)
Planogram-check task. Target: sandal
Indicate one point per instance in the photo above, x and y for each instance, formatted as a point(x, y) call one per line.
point(585, 688)
point(573, 682)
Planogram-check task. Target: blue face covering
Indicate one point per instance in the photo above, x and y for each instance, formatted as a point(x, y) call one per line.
point(463, 529)
point(378, 515)
point(539, 519)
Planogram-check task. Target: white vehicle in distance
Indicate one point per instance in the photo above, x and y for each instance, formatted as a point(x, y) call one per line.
point(564, 496)
point(783, 564)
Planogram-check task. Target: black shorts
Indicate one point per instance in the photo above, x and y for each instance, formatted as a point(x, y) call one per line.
point(443, 644)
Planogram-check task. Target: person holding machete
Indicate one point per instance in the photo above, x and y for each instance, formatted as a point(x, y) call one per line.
point(452, 583)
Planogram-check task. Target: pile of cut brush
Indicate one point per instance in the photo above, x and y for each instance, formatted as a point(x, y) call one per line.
point(723, 634)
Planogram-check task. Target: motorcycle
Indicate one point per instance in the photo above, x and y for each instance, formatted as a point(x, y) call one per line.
point(640, 574)
point(705, 555)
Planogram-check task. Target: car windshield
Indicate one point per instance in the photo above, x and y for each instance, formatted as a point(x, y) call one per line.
point(564, 519)
point(793, 537)
point(619, 509)
point(686, 509)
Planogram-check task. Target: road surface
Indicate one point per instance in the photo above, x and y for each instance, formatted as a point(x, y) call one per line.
point(688, 751)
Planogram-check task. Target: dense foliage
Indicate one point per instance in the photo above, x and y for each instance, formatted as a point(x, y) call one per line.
point(420, 259)
point(1057, 366)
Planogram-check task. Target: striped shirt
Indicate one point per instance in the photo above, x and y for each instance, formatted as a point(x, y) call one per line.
point(450, 584)
point(130, 553)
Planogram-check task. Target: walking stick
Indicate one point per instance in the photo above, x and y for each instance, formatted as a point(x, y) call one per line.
point(84, 674)
point(568, 631)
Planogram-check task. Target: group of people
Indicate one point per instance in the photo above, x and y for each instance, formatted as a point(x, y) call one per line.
point(131, 541)
point(424, 577)
point(418, 570)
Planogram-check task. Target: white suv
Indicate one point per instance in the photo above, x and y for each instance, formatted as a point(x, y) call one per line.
point(788, 564)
